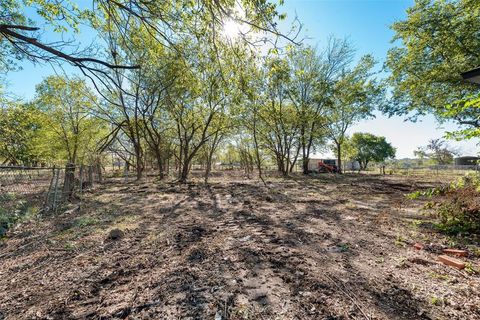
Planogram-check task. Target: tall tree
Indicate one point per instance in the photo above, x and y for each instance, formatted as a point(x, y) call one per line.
point(366, 148)
point(438, 151)
point(279, 117)
point(69, 128)
point(355, 96)
point(19, 128)
point(310, 89)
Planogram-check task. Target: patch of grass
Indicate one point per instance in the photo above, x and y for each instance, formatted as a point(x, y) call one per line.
point(400, 241)
point(85, 221)
point(125, 222)
point(435, 275)
point(70, 246)
point(436, 301)
point(428, 193)
point(416, 223)
point(476, 252)
point(470, 268)
point(7, 197)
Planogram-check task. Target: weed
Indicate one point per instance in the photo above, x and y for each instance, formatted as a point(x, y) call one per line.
point(85, 221)
point(436, 301)
point(469, 268)
point(416, 223)
point(400, 241)
point(20, 211)
point(435, 275)
point(380, 260)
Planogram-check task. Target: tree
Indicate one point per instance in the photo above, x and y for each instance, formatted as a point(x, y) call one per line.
point(438, 41)
point(279, 117)
point(19, 128)
point(438, 151)
point(310, 90)
point(166, 21)
point(466, 111)
point(355, 96)
point(366, 148)
point(70, 132)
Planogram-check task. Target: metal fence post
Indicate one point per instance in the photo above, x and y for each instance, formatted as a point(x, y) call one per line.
point(54, 207)
point(47, 198)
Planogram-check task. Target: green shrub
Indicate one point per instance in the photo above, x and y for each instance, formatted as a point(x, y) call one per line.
point(460, 211)
point(19, 211)
point(457, 205)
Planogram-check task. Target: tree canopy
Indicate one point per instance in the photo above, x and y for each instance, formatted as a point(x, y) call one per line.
point(437, 42)
point(366, 148)
point(438, 151)
point(166, 86)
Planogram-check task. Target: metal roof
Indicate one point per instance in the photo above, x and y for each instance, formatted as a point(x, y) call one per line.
point(472, 76)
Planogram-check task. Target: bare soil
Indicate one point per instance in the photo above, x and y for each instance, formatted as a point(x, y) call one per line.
point(327, 247)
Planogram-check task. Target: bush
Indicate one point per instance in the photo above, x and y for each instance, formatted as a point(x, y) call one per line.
point(457, 205)
point(13, 211)
point(460, 211)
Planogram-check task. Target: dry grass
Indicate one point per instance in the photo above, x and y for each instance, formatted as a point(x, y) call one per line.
point(329, 247)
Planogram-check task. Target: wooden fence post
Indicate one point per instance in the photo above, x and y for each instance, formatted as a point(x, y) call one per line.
point(69, 181)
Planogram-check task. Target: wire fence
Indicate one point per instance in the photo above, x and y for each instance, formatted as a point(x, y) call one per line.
point(436, 170)
point(30, 190)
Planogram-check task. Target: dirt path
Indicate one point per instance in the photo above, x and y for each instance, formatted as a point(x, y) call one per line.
point(316, 248)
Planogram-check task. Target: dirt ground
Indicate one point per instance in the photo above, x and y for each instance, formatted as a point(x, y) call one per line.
point(326, 247)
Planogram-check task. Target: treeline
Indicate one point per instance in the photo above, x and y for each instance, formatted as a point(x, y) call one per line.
point(165, 81)
point(277, 108)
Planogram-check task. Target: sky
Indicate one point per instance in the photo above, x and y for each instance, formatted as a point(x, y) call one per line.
point(365, 23)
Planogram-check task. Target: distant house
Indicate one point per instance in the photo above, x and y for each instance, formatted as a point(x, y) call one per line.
point(466, 161)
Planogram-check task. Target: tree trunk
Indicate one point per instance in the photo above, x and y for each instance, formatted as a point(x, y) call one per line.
point(305, 165)
point(69, 182)
point(208, 169)
point(339, 157)
point(160, 163)
point(184, 172)
point(138, 163)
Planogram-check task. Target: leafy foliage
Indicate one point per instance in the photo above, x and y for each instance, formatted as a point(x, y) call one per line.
point(438, 151)
point(70, 131)
point(366, 148)
point(19, 127)
point(457, 204)
point(437, 42)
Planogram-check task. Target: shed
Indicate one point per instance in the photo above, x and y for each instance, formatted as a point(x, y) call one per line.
point(472, 76)
point(466, 161)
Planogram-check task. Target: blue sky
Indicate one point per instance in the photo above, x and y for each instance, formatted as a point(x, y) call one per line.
point(364, 22)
